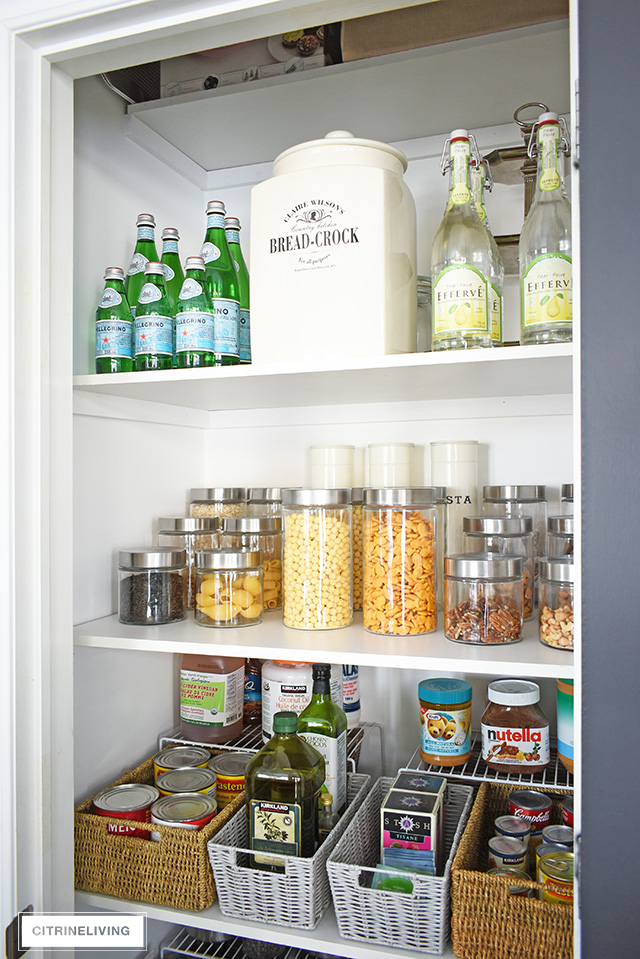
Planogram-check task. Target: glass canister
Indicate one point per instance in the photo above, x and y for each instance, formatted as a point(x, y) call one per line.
point(190, 533)
point(399, 595)
point(264, 501)
point(229, 589)
point(483, 598)
point(560, 535)
point(555, 601)
point(520, 501)
point(356, 546)
point(263, 533)
point(509, 536)
point(218, 501)
point(317, 558)
point(152, 586)
point(566, 501)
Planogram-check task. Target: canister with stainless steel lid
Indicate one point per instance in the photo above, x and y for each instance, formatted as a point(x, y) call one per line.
point(483, 598)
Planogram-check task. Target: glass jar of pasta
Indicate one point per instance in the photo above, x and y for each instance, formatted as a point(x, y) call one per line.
point(508, 536)
point(192, 534)
point(229, 589)
point(263, 533)
point(218, 501)
point(399, 560)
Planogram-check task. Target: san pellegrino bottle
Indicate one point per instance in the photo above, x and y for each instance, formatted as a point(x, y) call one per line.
point(460, 257)
point(145, 251)
point(482, 180)
point(222, 286)
point(194, 319)
point(324, 725)
point(170, 259)
point(546, 281)
point(114, 326)
point(232, 229)
point(153, 327)
point(283, 782)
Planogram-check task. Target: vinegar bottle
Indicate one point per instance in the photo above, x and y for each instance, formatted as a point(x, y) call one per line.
point(211, 697)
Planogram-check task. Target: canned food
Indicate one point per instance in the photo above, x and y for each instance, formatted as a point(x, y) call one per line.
point(556, 876)
point(535, 808)
point(567, 811)
point(514, 827)
point(562, 835)
point(188, 779)
point(547, 849)
point(230, 769)
point(183, 810)
point(504, 851)
point(128, 801)
point(177, 757)
point(511, 872)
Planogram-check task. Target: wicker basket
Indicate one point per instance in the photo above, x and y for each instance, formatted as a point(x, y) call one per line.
point(174, 871)
point(299, 896)
point(418, 920)
point(487, 922)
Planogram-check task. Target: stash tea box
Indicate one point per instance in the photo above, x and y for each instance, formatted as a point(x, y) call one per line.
point(412, 819)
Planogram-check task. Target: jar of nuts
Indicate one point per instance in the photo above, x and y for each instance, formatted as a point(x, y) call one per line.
point(560, 535)
point(229, 589)
point(317, 558)
point(263, 533)
point(218, 501)
point(192, 534)
point(399, 538)
point(509, 536)
point(555, 605)
point(483, 598)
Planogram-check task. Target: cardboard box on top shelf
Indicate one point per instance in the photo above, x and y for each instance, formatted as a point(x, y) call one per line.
point(441, 21)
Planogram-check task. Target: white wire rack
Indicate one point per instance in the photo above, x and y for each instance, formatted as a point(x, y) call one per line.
point(185, 944)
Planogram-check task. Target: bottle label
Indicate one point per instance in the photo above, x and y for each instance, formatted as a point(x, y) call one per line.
point(548, 138)
point(109, 298)
point(194, 332)
point(460, 302)
point(275, 827)
point(565, 724)
point(459, 152)
point(334, 753)
point(150, 293)
point(226, 327)
point(350, 689)
point(153, 335)
point(233, 236)
point(211, 699)
point(547, 291)
point(515, 746)
point(169, 246)
point(190, 288)
point(445, 734)
point(495, 308)
point(146, 233)
point(168, 272)
point(215, 220)
point(210, 252)
point(245, 336)
point(278, 696)
point(113, 338)
point(138, 263)
point(252, 688)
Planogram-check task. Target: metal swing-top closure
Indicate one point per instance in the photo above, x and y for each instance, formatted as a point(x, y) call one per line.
point(445, 159)
point(565, 141)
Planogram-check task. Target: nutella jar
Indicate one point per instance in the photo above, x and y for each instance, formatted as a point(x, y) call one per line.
point(515, 731)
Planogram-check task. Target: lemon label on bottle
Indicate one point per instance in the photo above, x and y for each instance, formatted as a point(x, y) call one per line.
point(460, 302)
point(547, 291)
point(495, 310)
point(459, 153)
point(548, 137)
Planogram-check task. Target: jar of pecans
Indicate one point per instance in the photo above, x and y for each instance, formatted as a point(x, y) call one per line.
point(229, 590)
point(508, 536)
point(190, 533)
point(152, 585)
point(560, 535)
point(218, 501)
point(264, 501)
point(263, 533)
point(555, 605)
point(317, 558)
point(483, 598)
point(399, 595)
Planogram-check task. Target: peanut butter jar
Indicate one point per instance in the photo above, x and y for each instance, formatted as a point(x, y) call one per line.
point(445, 721)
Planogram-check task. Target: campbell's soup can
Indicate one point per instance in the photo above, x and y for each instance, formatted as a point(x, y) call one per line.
point(535, 808)
point(230, 769)
point(177, 757)
point(183, 811)
point(188, 779)
point(567, 811)
point(127, 801)
point(555, 872)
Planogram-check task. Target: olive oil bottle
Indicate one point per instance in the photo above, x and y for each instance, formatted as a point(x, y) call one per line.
point(324, 725)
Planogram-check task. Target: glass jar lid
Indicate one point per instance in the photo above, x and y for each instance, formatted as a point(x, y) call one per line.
point(264, 494)
point(556, 569)
point(401, 496)
point(498, 525)
point(356, 495)
point(219, 494)
point(188, 524)
point(483, 566)
point(316, 497)
point(225, 559)
point(560, 525)
point(251, 524)
point(567, 492)
point(523, 494)
point(155, 557)
point(513, 692)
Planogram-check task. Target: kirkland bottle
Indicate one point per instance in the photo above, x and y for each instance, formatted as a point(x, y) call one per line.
point(114, 326)
point(211, 697)
point(482, 180)
point(324, 725)
point(232, 229)
point(145, 250)
point(194, 319)
point(153, 327)
point(283, 782)
point(546, 282)
point(173, 275)
point(460, 257)
point(222, 286)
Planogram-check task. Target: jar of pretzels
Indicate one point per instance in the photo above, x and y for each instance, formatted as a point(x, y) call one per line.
point(399, 546)
point(483, 598)
point(508, 536)
point(263, 533)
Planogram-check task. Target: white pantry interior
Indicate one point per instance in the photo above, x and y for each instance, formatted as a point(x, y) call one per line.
point(105, 456)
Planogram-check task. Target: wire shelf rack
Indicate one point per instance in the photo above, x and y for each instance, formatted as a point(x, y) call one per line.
point(186, 944)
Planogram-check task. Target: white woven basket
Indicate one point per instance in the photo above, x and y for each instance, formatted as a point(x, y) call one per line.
point(299, 896)
point(417, 920)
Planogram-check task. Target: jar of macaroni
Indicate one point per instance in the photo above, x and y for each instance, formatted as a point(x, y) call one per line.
point(317, 558)
point(555, 602)
point(560, 535)
point(508, 536)
point(229, 589)
point(356, 546)
point(218, 501)
point(190, 533)
point(399, 595)
point(264, 501)
point(483, 598)
point(263, 533)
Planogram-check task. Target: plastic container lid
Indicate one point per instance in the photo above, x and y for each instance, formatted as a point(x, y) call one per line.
point(285, 722)
point(513, 692)
point(445, 691)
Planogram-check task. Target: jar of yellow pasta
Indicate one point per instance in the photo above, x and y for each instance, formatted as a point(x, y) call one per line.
point(263, 533)
point(229, 587)
point(317, 558)
point(399, 560)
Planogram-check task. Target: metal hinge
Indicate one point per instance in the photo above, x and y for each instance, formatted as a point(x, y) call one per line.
point(12, 936)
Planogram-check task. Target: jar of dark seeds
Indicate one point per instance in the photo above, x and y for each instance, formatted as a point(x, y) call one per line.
point(483, 598)
point(152, 586)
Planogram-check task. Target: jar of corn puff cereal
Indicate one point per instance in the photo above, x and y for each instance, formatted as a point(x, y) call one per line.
point(229, 590)
point(263, 533)
point(218, 501)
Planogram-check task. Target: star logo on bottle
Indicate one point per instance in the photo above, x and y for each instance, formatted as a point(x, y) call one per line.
point(105, 339)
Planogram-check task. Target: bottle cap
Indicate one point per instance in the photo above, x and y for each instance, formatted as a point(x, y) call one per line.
point(444, 690)
point(154, 268)
point(114, 273)
point(170, 233)
point(285, 722)
point(459, 135)
point(215, 206)
point(194, 263)
point(326, 799)
point(513, 692)
point(321, 670)
point(231, 223)
point(146, 219)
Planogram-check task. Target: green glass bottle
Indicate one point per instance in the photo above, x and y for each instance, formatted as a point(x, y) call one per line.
point(283, 782)
point(173, 275)
point(482, 180)
point(145, 250)
point(324, 726)
point(194, 319)
point(114, 326)
point(222, 286)
point(153, 327)
point(232, 229)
